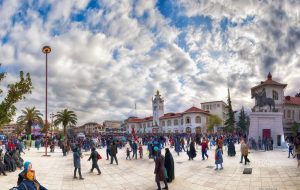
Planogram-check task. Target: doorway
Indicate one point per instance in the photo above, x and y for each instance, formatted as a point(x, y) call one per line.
point(266, 133)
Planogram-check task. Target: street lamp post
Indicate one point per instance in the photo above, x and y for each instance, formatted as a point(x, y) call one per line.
point(46, 50)
point(52, 116)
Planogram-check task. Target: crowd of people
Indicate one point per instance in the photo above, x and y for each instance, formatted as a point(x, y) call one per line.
point(10, 152)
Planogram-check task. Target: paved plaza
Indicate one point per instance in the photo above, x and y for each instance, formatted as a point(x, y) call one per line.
point(271, 170)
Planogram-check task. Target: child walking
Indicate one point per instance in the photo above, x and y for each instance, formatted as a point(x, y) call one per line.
point(218, 158)
point(128, 153)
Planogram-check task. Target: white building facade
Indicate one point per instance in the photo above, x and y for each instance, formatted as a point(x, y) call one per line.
point(218, 108)
point(193, 120)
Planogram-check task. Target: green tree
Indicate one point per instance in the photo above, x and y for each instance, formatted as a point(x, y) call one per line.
point(19, 129)
point(65, 117)
point(297, 94)
point(295, 128)
point(243, 122)
point(213, 120)
point(230, 121)
point(15, 93)
point(29, 117)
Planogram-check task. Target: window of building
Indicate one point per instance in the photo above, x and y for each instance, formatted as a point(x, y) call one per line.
point(284, 114)
point(181, 121)
point(214, 106)
point(275, 95)
point(148, 125)
point(198, 119)
point(289, 114)
point(163, 123)
point(169, 122)
point(218, 105)
point(293, 114)
point(210, 107)
point(176, 122)
point(187, 120)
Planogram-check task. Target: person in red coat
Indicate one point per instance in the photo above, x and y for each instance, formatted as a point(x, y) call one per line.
point(11, 145)
point(160, 171)
point(204, 147)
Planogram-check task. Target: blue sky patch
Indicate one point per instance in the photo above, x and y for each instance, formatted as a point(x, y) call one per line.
point(248, 20)
point(5, 39)
point(93, 4)
point(44, 11)
point(226, 23)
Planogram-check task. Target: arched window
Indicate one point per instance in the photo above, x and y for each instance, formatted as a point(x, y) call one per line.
point(163, 123)
point(176, 122)
point(275, 95)
point(198, 119)
point(187, 120)
point(169, 123)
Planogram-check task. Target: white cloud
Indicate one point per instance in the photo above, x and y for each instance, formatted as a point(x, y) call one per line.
point(102, 67)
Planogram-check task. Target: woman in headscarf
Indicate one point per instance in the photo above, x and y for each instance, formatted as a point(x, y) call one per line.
point(76, 159)
point(159, 170)
point(231, 148)
point(169, 165)
point(192, 151)
point(27, 179)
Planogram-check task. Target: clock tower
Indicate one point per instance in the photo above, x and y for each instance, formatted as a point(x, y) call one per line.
point(158, 108)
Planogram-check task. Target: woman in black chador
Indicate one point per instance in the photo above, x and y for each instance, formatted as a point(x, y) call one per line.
point(231, 148)
point(169, 165)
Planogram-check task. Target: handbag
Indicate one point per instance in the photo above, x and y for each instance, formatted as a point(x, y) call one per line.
point(99, 156)
point(165, 173)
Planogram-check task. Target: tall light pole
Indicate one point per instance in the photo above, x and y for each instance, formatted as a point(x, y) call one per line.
point(52, 116)
point(46, 50)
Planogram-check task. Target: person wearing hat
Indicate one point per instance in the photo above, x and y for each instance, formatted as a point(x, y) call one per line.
point(27, 179)
point(95, 156)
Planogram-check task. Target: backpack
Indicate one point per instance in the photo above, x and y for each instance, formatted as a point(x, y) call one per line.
point(99, 156)
point(16, 188)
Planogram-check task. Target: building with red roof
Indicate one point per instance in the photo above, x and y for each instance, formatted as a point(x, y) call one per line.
point(192, 120)
point(288, 106)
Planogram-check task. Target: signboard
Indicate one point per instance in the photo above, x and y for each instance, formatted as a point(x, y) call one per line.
point(36, 129)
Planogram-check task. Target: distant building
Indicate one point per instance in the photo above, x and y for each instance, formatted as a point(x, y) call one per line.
point(9, 129)
point(113, 126)
point(218, 108)
point(193, 120)
point(89, 128)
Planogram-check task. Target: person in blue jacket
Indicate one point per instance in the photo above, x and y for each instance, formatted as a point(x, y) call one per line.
point(27, 179)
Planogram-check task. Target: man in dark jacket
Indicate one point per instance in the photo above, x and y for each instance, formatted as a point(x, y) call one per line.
point(113, 153)
point(94, 157)
point(134, 150)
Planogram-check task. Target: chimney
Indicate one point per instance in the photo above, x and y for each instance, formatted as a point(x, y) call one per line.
point(288, 98)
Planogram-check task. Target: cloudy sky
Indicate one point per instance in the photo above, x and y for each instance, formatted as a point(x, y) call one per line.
point(108, 54)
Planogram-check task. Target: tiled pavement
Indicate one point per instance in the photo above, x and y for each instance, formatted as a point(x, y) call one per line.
point(271, 171)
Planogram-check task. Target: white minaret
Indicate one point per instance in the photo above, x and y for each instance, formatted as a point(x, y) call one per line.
point(158, 108)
